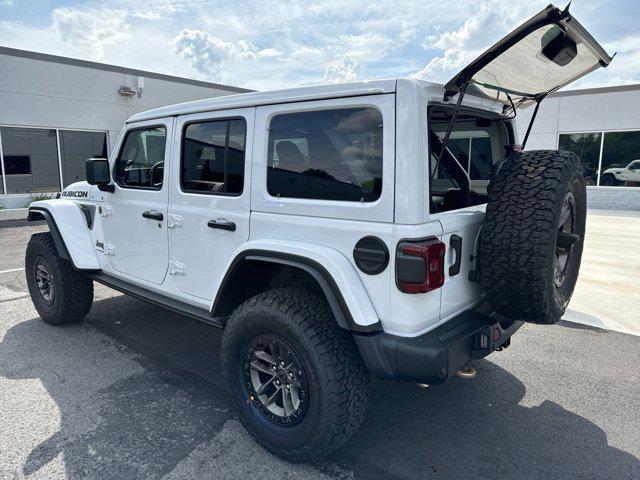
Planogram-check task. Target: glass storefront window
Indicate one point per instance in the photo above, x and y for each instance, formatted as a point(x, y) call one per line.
point(75, 148)
point(30, 160)
point(587, 147)
point(621, 159)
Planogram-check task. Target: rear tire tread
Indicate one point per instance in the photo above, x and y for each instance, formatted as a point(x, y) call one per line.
point(343, 376)
point(517, 236)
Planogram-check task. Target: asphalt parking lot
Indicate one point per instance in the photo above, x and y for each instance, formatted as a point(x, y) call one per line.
point(135, 392)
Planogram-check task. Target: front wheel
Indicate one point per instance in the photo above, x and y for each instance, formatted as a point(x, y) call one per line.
point(296, 378)
point(60, 294)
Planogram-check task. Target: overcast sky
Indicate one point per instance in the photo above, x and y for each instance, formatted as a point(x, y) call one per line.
point(274, 44)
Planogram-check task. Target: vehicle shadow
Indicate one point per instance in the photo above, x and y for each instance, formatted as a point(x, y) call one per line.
point(167, 398)
point(479, 429)
point(125, 411)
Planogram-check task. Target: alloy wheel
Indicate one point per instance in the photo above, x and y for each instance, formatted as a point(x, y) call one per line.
point(44, 280)
point(276, 380)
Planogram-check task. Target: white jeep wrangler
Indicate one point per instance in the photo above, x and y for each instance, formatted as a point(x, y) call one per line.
point(390, 228)
point(629, 175)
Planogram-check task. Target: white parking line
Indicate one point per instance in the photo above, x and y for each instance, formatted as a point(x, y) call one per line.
point(12, 270)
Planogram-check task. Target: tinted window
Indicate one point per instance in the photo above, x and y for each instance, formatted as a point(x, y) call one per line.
point(30, 160)
point(474, 154)
point(328, 154)
point(141, 160)
point(213, 157)
point(587, 147)
point(462, 176)
point(619, 150)
point(76, 147)
point(481, 158)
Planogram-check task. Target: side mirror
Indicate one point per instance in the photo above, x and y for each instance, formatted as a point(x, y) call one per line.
point(97, 170)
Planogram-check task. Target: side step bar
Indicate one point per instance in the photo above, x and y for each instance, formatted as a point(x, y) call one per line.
point(140, 293)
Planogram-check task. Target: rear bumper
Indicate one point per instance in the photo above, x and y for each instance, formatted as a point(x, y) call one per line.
point(437, 355)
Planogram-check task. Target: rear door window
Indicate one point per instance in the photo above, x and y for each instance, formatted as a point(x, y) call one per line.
point(213, 157)
point(333, 154)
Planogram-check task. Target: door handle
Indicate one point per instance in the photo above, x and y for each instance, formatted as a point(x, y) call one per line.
point(222, 224)
point(153, 215)
point(456, 244)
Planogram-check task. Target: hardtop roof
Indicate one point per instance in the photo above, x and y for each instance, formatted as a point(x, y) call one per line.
point(289, 95)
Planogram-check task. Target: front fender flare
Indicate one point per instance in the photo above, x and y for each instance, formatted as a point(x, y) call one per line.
point(68, 226)
point(337, 278)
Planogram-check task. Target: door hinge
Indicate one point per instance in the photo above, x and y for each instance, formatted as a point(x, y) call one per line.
point(105, 210)
point(106, 248)
point(176, 268)
point(174, 221)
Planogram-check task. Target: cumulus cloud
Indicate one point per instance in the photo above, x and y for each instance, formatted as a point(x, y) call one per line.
point(207, 52)
point(459, 46)
point(344, 71)
point(623, 70)
point(265, 45)
point(90, 30)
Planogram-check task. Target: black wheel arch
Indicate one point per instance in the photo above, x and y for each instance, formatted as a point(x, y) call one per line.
point(248, 272)
point(38, 214)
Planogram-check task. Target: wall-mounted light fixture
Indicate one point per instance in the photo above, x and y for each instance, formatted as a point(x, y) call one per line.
point(126, 92)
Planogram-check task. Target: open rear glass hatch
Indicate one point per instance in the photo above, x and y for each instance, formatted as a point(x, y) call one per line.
point(545, 53)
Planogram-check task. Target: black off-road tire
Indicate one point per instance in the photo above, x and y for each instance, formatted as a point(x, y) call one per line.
point(72, 295)
point(337, 380)
point(519, 238)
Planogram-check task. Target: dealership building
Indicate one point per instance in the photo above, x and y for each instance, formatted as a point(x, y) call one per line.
point(56, 112)
point(602, 126)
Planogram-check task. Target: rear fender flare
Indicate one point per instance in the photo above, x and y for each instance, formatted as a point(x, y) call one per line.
point(337, 278)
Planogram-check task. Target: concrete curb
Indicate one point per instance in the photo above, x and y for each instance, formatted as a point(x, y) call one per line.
point(13, 214)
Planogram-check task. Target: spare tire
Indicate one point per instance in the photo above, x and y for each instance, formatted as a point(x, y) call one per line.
point(532, 237)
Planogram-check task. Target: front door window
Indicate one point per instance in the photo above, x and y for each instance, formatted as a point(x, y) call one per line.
point(141, 160)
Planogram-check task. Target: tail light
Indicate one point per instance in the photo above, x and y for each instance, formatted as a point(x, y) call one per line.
point(420, 266)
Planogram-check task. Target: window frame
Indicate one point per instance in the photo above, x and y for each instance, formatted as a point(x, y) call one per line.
point(3, 190)
point(244, 154)
point(3, 177)
point(314, 109)
point(505, 131)
point(59, 137)
point(601, 151)
point(122, 145)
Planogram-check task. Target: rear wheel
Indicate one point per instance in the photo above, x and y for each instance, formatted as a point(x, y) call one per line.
point(60, 294)
point(532, 237)
point(296, 378)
